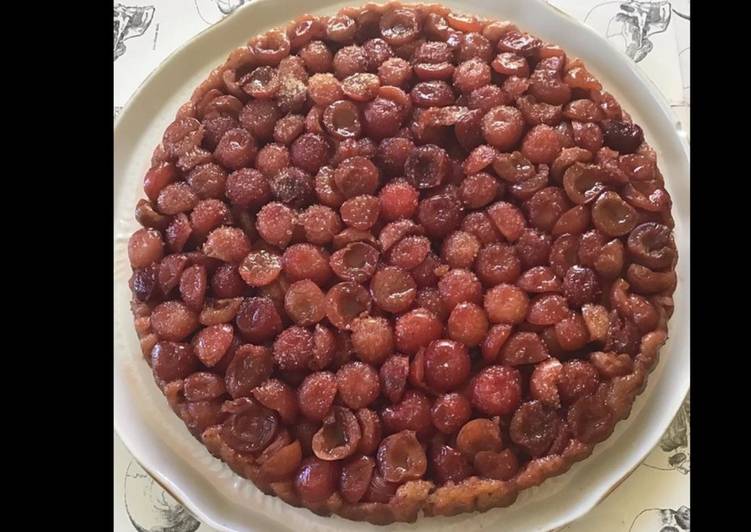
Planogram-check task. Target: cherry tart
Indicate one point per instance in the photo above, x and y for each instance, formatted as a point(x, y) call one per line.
point(401, 260)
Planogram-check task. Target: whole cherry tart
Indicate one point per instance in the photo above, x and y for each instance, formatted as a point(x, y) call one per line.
point(401, 260)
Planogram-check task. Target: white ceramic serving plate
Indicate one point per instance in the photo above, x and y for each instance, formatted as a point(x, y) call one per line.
point(223, 500)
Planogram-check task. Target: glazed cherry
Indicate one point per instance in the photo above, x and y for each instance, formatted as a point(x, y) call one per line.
point(399, 26)
point(507, 219)
point(427, 94)
point(192, 286)
point(305, 303)
point(226, 282)
point(398, 199)
point(207, 215)
point(382, 118)
point(229, 244)
point(371, 429)
point(339, 436)
point(320, 224)
point(306, 261)
point(646, 281)
point(502, 127)
point(497, 263)
point(533, 248)
point(346, 301)
point(479, 435)
point(448, 464)
point(260, 268)
point(292, 349)
point(467, 129)
point(393, 376)
point(580, 286)
point(623, 137)
point(427, 166)
point(496, 390)
point(358, 384)
point(361, 212)
point(577, 379)
point(541, 144)
point(523, 348)
point(479, 190)
point(458, 286)
point(590, 419)
point(356, 261)
point(316, 395)
point(356, 176)
point(494, 341)
point(471, 74)
point(171, 361)
point(447, 365)
point(258, 320)
point(440, 214)
point(393, 289)
point(395, 71)
point(342, 120)
point(409, 252)
point(416, 329)
point(610, 365)
point(411, 413)
point(278, 396)
point(506, 303)
point(251, 428)
point(212, 343)
point(356, 477)
point(432, 52)
point(143, 283)
point(324, 346)
point(392, 154)
point(316, 480)
point(468, 323)
point(372, 339)
point(173, 321)
point(145, 247)
point(203, 386)
point(534, 427)
point(401, 457)
point(429, 271)
point(651, 244)
point(275, 224)
point(548, 309)
point(546, 206)
point(612, 215)
point(309, 152)
point(513, 167)
point(480, 225)
point(460, 249)
point(499, 466)
point(450, 412)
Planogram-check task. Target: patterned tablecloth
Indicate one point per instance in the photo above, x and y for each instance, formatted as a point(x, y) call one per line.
point(653, 33)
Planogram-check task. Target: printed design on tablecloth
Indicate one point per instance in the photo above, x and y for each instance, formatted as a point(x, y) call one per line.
point(212, 11)
point(674, 444)
point(130, 22)
point(150, 508)
point(630, 23)
point(662, 520)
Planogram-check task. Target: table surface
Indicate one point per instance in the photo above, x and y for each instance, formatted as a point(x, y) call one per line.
point(653, 33)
